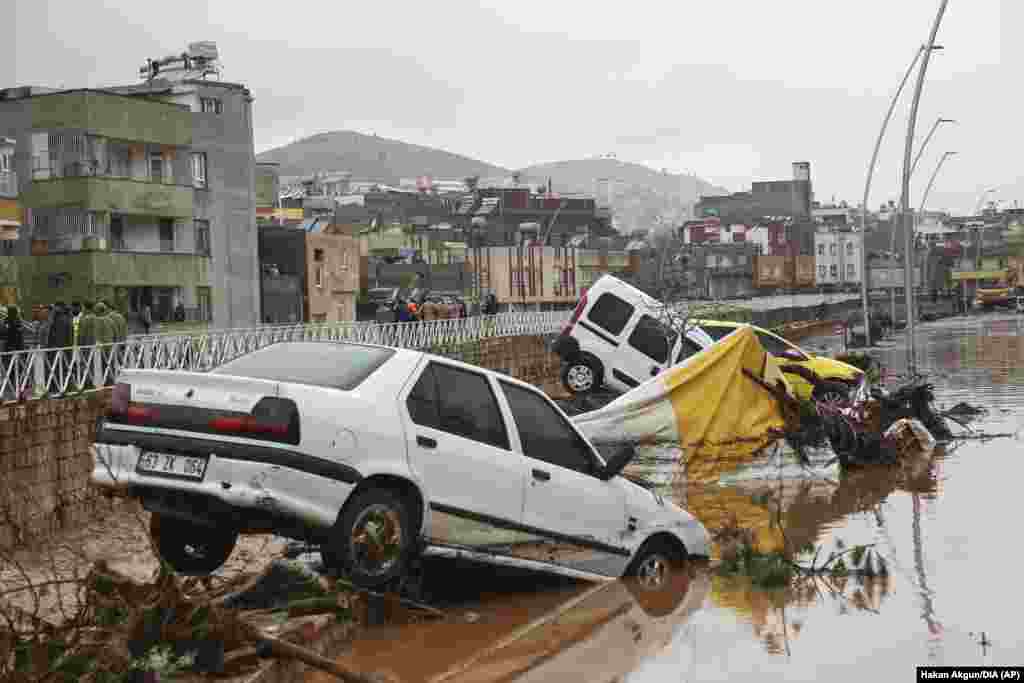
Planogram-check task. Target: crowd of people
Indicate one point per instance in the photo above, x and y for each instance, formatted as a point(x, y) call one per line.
point(59, 326)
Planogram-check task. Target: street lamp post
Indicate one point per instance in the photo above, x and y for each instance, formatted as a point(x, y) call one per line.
point(892, 235)
point(867, 187)
point(908, 224)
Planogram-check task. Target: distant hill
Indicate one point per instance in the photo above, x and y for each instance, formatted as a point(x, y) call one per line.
point(640, 194)
point(369, 157)
point(641, 197)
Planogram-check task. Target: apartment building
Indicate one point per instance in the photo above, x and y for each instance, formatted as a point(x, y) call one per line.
point(141, 194)
point(837, 258)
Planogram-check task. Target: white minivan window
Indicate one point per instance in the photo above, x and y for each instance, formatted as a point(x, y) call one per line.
point(610, 313)
point(653, 339)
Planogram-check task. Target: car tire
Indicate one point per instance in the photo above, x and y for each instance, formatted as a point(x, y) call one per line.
point(374, 539)
point(658, 577)
point(582, 375)
point(831, 391)
point(190, 548)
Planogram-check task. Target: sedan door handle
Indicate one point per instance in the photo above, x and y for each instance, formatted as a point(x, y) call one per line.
point(426, 442)
point(541, 475)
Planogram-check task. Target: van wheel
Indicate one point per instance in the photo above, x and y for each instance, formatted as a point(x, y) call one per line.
point(191, 548)
point(581, 376)
point(374, 539)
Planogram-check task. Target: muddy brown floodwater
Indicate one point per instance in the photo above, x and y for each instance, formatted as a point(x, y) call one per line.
point(949, 529)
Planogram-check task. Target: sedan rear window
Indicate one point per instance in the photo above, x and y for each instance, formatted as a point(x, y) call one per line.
point(334, 366)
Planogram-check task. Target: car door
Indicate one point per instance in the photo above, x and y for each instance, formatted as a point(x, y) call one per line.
point(647, 350)
point(602, 331)
point(458, 443)
point(578, 520)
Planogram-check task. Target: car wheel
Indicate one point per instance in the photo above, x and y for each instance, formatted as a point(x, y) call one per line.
point(374, 539)
point(831, 392)
point(581, 376)
point(658, 577)
point(191, 548)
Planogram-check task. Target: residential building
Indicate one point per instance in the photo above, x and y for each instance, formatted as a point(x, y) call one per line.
point(838, 258)
point(724, 270)
point(308, 275)
point(888, 273)
point(777, 198)
point(140, 194)
point(783, 272)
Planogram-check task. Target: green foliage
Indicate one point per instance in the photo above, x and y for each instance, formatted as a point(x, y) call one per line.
point(162, 661)
point(767, 570)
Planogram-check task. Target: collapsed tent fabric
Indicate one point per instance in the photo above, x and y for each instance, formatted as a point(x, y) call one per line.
point(706, 400)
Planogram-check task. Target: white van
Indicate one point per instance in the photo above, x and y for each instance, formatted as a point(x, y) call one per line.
point(618, 338)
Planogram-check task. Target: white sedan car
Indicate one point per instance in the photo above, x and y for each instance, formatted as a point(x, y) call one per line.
point(378, 454)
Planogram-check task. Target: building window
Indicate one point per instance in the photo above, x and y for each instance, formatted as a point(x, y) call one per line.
point(211, 105)
point(166, 234)
point(199, 169)
point(832, 249)
point(849, 248)
point(202, 228)
point(204, 303)
point(156, 167)
point(851, 270)
point(116, 232)
point(319, 276)
point(821, 250)
point(833, 270)
point(822, 272)
point(318, 254)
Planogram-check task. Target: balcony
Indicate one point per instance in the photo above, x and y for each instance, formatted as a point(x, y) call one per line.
point(127, 269)
point(122, 195)
point(8, 184)
point(114, 116)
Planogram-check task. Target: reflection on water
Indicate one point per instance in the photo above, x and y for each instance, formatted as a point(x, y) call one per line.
point(937, 521)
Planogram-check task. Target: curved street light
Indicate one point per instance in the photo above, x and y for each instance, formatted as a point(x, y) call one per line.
point(892, 233)
point(908, 223)
point(867, 186)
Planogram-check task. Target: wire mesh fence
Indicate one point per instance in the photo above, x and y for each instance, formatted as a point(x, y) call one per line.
point(37, 373)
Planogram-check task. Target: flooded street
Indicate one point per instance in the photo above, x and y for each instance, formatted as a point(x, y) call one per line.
point(946, 528)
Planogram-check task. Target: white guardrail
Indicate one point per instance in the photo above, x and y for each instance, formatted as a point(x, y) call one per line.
point(37, 373)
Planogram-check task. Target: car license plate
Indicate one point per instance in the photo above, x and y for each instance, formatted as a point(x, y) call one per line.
point(167, 465)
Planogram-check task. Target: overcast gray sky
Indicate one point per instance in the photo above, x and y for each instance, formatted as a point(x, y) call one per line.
point(732, 90)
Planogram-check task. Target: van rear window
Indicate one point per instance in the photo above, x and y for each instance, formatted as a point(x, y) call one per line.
point(319, 364)
point(610, 313)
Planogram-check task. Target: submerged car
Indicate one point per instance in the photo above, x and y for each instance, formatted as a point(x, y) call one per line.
point(379, 454)
point(840, 378)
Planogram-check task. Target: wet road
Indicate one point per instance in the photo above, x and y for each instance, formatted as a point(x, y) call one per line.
point(948, 528)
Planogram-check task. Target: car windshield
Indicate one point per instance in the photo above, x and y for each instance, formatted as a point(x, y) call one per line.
point(334, 366)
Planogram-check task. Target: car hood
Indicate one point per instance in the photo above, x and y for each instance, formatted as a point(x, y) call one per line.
point(829, 368)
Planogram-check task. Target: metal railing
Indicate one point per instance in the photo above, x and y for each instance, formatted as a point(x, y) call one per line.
point(38, 373)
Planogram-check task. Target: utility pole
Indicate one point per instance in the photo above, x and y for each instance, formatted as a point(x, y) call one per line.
point(908, 224)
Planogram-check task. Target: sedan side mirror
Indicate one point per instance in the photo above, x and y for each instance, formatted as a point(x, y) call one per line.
point(618, 462)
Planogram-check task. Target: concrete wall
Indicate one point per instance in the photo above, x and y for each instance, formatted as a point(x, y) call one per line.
point(229, 201)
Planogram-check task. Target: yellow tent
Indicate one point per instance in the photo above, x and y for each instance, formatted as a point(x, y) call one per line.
point(708, 400)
